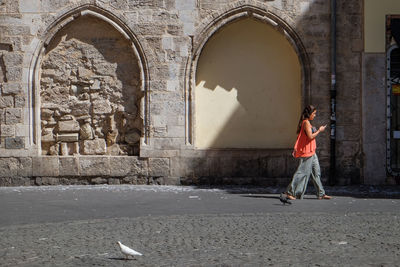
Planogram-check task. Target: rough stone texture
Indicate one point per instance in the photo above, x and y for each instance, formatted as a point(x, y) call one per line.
point(64, 170)
point(13, 116)
point(7, 130)
point(15, 143)
point(113, 181)
point(47, 181)
point(45, 166)
point(66, 137)
point(8, 167)
point(11, 88)
point(68, 126)
point(94, 147)
point(25, 167)
point(6, 101)
point(19, 101)
point(94, 166)
point(16, 181)
point(90, 88)
point(86, 131)
point(159, 167)
point(93, 77)
point(69, 166)
point(122, 166)
point(99, 180)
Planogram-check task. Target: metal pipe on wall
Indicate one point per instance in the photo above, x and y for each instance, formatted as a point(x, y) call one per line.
point(332, 169)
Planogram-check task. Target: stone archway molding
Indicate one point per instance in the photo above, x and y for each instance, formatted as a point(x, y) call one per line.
point(232, 13)
point(50, 33)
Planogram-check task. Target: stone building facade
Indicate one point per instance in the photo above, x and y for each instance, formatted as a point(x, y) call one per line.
point(103, 91)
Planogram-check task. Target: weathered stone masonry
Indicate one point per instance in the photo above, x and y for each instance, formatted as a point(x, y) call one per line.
point(90, 93)
point(101, 91)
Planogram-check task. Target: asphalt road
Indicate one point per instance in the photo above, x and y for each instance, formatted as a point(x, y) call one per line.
point(187, 226)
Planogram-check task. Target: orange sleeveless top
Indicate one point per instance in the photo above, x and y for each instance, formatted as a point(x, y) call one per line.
point(304, 147)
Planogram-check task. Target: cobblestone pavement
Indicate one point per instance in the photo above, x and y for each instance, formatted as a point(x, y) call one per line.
point(254, 230)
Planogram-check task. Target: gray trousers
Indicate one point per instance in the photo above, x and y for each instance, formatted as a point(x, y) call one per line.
point(307, 167)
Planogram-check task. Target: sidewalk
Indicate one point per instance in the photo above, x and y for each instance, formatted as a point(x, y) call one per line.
point(191, 226)
point(359, 191)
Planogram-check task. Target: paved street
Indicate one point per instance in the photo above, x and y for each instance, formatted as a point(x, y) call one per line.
point(189, 226)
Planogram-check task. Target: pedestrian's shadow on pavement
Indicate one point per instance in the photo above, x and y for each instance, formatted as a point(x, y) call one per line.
point(270, 197)
point(258, 196)
point(354, 191)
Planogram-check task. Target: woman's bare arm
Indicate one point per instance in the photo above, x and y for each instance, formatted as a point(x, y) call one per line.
point(308, 129)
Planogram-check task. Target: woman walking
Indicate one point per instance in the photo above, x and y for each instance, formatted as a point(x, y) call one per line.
point(304, 149)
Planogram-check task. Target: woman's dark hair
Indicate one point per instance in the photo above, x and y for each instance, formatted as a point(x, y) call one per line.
point(307, 111)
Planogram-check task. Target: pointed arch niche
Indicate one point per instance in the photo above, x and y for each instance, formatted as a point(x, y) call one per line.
point(90, 87)
point(248, 83)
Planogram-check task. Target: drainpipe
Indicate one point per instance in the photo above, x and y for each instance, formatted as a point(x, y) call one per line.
point(332, 169)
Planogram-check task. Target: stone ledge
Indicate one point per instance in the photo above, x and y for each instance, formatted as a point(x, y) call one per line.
point(94, 166)
point(84, 166)
point(141, 180)
point(159, 167)
point(69, 166)
point(11, 167)
point(249, 169)
point(92, 180)
point(128, 165)
point(45, 166)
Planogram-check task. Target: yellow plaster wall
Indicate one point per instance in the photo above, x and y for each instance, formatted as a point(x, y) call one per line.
point(248, 89)
point(375, 12)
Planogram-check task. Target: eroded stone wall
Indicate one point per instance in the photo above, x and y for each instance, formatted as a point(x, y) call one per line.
point(87, 99)
point(90, 92)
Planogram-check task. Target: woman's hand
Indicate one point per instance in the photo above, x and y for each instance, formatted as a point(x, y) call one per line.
point(308, 130)
point(322, 128)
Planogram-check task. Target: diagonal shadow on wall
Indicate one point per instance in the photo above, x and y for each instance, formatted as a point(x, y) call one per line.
point(248, 92)
point(256, 76)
